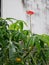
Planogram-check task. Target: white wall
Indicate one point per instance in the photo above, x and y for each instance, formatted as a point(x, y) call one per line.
point(14, 8)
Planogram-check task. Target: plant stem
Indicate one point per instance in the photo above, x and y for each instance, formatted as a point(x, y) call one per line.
point(30, 24)
point(28, 52)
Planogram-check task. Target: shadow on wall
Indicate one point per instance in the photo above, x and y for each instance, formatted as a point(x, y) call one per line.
point(0, 8)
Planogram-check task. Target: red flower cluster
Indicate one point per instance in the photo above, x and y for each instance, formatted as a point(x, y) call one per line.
point(30, 12)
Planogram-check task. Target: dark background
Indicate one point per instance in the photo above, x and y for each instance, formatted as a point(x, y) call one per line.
point(0, 8)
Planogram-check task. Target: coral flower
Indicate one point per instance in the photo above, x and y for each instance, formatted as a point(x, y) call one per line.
point(30, 12)
point(18, 59)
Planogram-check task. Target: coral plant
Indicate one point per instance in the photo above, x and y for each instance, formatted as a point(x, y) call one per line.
point(21, 47)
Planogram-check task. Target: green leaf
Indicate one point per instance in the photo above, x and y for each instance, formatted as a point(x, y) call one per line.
point(44, 38)
point(10, 19)
point(18, 25)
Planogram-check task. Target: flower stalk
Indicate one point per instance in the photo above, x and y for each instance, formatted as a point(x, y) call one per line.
point(30, 24)
point(30, 13)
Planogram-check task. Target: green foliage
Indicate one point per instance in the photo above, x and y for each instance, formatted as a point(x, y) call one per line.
point(21, 47)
